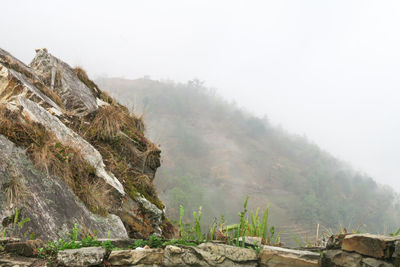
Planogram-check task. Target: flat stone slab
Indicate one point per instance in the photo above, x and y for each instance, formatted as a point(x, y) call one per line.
point(376, 246)
point(11, 260)
point(337, 257)
point(25, 248)
point(140, 257)
point(209, 254)
point(5, 240)
point(371, 262)
point(81, 257)
point(275, 256)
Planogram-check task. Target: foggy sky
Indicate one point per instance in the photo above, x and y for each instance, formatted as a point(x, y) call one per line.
point(326, 69)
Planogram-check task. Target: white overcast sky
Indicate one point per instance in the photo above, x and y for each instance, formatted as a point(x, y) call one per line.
point(326, 69)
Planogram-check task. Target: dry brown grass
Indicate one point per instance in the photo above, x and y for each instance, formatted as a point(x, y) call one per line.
point(49, 155)
point(82, 75)
point(110, 121)
point(96, 195)
point(10, 63)
point(15, 190)
point(118, 136)
point(49, 93)
point(143, 183)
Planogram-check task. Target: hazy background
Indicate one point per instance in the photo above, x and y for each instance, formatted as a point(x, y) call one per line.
point(326, 69)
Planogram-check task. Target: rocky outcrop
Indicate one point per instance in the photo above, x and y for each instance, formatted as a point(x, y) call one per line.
point(69, 154)
point(362, 250)
point(77, 98)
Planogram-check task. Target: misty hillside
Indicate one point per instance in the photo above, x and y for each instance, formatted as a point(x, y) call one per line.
point(214, 154)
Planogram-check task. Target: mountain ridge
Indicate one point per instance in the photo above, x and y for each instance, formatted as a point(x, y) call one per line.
point(226, 151)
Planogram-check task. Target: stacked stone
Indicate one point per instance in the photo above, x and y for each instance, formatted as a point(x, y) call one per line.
point(364, 250)
point(24, 253)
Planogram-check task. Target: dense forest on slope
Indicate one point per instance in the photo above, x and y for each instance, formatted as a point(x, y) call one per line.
point(214, 154)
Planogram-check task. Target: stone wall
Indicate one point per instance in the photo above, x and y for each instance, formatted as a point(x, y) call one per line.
point(364, 250)
point(353, 250)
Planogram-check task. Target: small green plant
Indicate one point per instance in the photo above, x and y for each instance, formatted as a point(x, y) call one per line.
point(243, 225)
point(153, 242)
point(256, 247)
point(212, 230)
point(234, 234)
point(297, 240)
point(14, 224)
point(396, 233)
point(181, 213)
point(74, 234)
point(254, 228)
point(32, 236)
point(197, 226)
point(53, 247)
point(21, 223)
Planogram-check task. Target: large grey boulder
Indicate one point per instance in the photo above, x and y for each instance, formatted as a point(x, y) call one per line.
point(81, 257)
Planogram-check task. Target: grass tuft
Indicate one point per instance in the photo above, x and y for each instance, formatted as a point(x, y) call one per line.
point(15, 190)
point(82, 75)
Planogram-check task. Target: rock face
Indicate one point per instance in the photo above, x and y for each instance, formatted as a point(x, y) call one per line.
point(69, 154)
point(52, 208)
point(75, 95)
point(370, 245)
